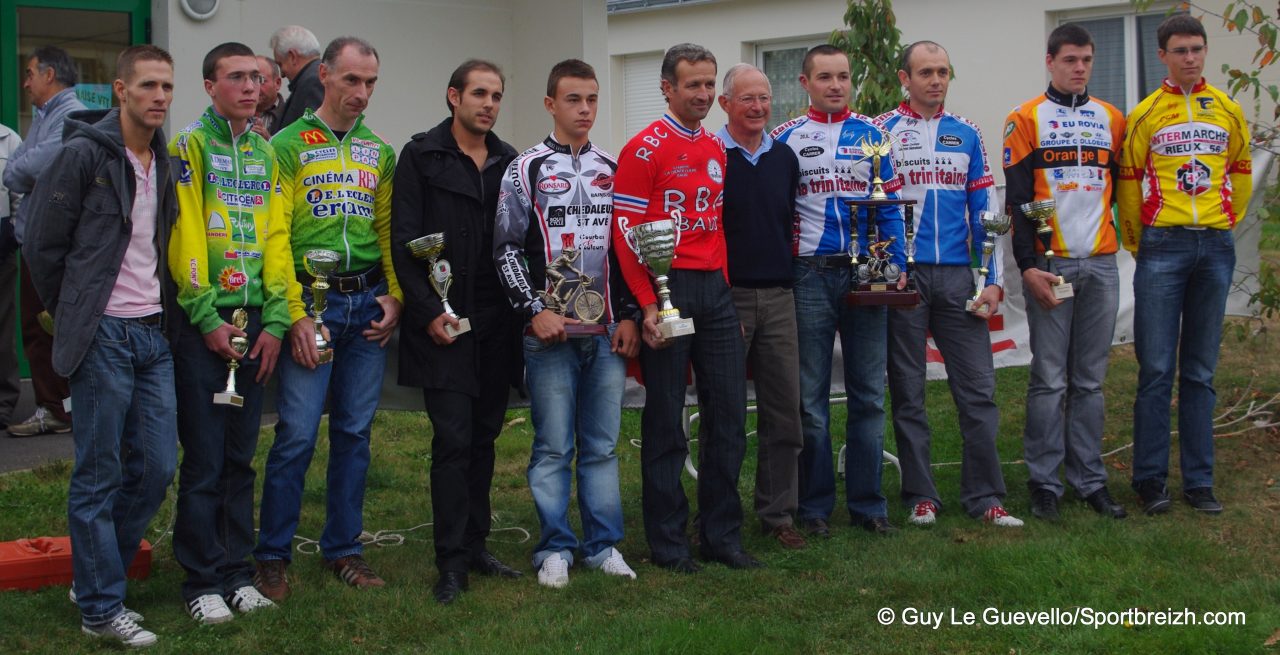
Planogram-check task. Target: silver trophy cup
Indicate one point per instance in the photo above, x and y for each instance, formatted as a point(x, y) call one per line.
point(995, 225)
point(655, 243)
point(429, 248)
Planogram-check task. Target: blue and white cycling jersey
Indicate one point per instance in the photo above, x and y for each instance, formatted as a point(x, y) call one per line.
point(833, 169)
point(942, 165)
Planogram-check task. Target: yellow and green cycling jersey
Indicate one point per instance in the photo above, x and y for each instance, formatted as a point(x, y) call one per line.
point(337, 196)
point(229, 246)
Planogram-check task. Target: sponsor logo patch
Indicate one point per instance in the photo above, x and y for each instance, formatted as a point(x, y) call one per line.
point(1008, 156)
point(231, 279)
point(811, 151)
point(322, 154)
point(1009, 128)
point(1193, 178)
point(221, 163)
point(603, 181)
point(255, 169)
point(951, 140)
point(313, 137)
point(714, 172)
point(555, 217)
point(553, 185)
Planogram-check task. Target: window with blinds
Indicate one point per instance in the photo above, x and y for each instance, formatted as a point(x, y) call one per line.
point(642, 91)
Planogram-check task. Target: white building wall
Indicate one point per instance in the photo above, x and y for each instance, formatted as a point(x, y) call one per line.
point(996, 46)
point(420, 42)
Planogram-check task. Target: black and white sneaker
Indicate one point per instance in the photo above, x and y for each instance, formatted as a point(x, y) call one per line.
point(247, 599)
point(209, 609)
point(122, 629)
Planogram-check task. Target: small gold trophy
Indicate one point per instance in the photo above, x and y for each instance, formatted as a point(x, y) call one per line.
point(320, 264)
point(1041, 211)
point(228, 396)
point(995, 225)
point(876, 151)
point(429, 248)
point(655, 243)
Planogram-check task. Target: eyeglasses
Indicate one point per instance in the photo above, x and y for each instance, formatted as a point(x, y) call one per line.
point(751, 100)
point(1196, 50)
point(238, 78)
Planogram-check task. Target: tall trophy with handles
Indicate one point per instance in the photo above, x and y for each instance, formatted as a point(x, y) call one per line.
point(995, 225)
point(1042, 211)
point(655, 243)
point(429, 248)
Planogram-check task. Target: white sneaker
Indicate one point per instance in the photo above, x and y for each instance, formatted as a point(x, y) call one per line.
point(925, 513)
point(209, 609)
point(999, 517)
point(122, 629)
point(554, 572)
point(136, 617)
point(615, 565)
point(248, 598)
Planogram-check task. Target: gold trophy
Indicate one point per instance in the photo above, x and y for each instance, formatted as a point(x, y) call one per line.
point(995, 225)
point(319, 264)
point(429, 248)
point(655, 243)
point(875, 152)
point(228, 396)
point(1041, 211)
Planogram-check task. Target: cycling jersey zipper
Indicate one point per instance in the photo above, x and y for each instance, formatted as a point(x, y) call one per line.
point(342, 157)
point(239, 195)
point(931, 130)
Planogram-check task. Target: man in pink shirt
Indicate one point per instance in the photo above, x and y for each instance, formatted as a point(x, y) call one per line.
point(104, 211)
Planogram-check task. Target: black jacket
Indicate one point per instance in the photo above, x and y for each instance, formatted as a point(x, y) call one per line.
point(305, 92)
point(433, 192)
point(77, 243)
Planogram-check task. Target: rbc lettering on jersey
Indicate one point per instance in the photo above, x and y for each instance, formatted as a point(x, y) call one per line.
point(675, 199)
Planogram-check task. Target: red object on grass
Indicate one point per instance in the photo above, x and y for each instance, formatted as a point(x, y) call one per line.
point(30, 564)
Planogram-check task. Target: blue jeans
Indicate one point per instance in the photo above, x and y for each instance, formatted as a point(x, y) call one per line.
point(126, 453)
point(213, 535)
point(575, 390)
point(821, 312)
point(1183, 277)
point(353, 382)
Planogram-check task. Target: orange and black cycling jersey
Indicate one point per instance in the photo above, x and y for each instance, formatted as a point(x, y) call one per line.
point(1063, 147)
point(1185, 163)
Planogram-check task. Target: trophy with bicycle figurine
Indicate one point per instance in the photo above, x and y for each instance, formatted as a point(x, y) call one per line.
point(875, 279)
point(573, 297)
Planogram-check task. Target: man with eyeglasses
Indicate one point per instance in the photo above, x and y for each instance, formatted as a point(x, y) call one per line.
point(232, 264)
point(759, 200)
point(1185, 182)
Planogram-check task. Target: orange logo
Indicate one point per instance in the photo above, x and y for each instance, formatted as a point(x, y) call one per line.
point(312, 137)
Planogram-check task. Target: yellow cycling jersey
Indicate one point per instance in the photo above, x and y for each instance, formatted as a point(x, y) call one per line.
point(1185, 162)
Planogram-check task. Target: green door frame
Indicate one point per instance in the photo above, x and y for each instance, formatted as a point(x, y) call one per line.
point(139, 16)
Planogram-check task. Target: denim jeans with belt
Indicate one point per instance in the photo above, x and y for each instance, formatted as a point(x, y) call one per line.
point(126, 453)
point(353, 382)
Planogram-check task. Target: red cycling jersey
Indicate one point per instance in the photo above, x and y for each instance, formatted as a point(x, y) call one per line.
point(668, 167)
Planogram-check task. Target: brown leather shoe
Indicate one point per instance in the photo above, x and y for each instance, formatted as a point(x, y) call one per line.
point(788, 537)
point(271, 579)
point(354, 571)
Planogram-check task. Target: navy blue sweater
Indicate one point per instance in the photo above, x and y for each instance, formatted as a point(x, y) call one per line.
point(759, 217)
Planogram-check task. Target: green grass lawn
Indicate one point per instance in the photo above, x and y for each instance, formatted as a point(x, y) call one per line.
point(825, 599)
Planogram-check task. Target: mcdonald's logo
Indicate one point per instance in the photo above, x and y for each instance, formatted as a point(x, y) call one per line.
point(312, 137)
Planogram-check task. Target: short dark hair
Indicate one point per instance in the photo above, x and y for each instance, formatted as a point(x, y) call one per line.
point(458, 80)
point(905, 64)
point(568, 68)
point(690, 52)
point(275, 65)
point(1182, 23)
point(336, 46)
point(220, 52)
point(65, 70)
point(819, 51)
point(1068, 34)
point(129, 58)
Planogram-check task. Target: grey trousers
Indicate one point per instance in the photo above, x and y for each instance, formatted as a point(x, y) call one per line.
point(9, 385)
point(769, 320)
point(965, 345)
point(1070, 347)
